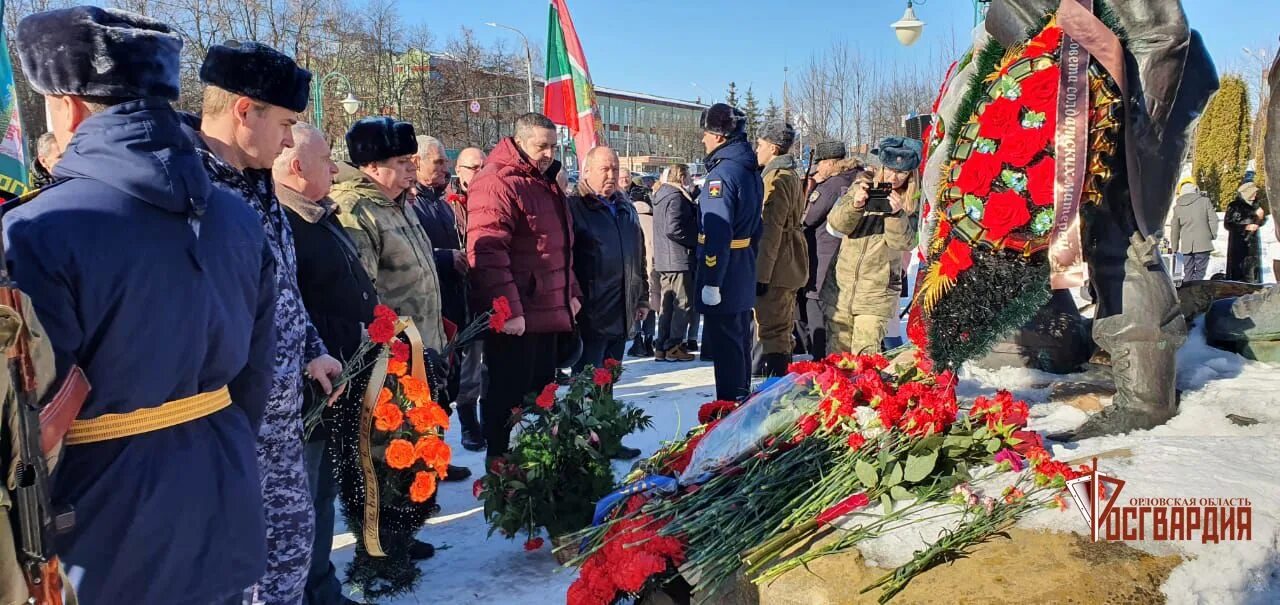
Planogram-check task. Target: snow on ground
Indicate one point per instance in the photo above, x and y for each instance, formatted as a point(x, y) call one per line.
point(1200, 453)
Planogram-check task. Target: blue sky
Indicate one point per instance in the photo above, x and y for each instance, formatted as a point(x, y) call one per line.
point(663, 47)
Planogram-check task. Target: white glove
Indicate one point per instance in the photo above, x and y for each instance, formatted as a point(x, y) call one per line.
point(710, 295)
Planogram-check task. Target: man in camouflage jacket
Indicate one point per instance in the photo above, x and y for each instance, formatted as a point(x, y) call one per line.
point(394, 248)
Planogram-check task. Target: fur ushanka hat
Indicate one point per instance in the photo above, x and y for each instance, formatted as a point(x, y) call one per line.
point(779, 133)
point(259, 72)
point(899, 153)
point(104, 53)
point(724, 120)
point(380, 138)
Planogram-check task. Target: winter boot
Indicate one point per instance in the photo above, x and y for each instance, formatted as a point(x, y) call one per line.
point(1143, 341)
point(637, 347)
point(775, 364)
point(472, 435)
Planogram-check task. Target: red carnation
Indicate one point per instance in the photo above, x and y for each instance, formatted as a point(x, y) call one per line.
point(808, 424)
point(384, 312)
point(856, 441)
point(1000, 117)
point(602, 377)
point(400, 351)
point(848, 505)
point(533, 544)
point(382, 330)
point(477, 488)
point(916, 331)
point(1028, 441)
point(611, 363)
point(1005, 212)
point(501, 314)
point(1040, 178)
point(977, 174)
point(715, 410)
point(956, 259)
point(547, 398)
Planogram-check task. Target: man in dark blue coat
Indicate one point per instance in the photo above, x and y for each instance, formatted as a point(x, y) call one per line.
point(730, 206)
point(163, 290)
point(834, 176)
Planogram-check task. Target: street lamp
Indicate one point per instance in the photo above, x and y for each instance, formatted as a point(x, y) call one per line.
point(528, 55)
point(909, 28)
point(349, 104)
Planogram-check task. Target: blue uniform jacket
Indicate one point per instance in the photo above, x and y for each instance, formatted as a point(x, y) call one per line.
point(729, 206)
point(159, 287)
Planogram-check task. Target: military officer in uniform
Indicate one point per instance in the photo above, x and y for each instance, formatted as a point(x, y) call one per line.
point(730, 206)
point(162, 288)
point(783, 262)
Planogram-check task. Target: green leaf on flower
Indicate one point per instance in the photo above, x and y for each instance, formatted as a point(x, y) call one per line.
point(866, 474)
point(981, 433)
point(932, 442)
point(919, 467)
point(961, 442)
point(1014, 180)
point(887, 502)
point(993, 445)
point(1033, 119)
point(901, 494)
point(894, 477)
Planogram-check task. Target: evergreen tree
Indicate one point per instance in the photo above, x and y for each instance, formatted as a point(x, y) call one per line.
point(732, 98)
point(1222, 142)
point(772, 112)
point(752, 109)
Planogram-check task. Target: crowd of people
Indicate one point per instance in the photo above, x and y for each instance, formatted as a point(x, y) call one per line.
point(207, 272)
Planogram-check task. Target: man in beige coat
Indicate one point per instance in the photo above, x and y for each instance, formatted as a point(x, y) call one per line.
point(782, 267)
point(393, 246)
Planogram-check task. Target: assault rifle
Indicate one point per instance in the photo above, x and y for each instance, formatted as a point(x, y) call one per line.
point(31, 432)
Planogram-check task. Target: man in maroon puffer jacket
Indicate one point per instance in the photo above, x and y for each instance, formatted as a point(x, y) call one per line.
point(519, 244)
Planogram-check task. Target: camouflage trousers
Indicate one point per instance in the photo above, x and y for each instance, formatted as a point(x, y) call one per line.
point(285, 497)
point(858, 334)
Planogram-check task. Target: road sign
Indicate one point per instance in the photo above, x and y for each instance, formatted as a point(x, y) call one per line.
point(475, 107)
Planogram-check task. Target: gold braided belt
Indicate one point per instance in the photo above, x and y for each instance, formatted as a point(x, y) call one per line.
point(736, 244)
point(172, 413)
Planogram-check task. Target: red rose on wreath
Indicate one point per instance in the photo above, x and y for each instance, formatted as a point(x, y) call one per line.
point(1024, 144)
point(999, 118)
point(1005, 212)
point(1044, 43)
point(978, 172)
point(956, 259)
point(1040, 178)
point(1040, 91)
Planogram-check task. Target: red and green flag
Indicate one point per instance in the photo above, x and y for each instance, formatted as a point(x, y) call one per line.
point(570, 99)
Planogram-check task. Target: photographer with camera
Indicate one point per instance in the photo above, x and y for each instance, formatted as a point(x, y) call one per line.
point(874, 221)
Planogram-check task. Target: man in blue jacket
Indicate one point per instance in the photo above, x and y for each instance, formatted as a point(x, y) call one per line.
point(163, 290)
point(251, 102)
point(730, 206)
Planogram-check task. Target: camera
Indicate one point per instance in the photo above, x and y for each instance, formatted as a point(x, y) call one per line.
point(878, 199)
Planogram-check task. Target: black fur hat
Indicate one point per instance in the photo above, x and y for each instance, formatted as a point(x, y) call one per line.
point(779, 133)
point(259, 72)
point(375, 139)
point(88, 51)
point(724, 120)
point(899, 153)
